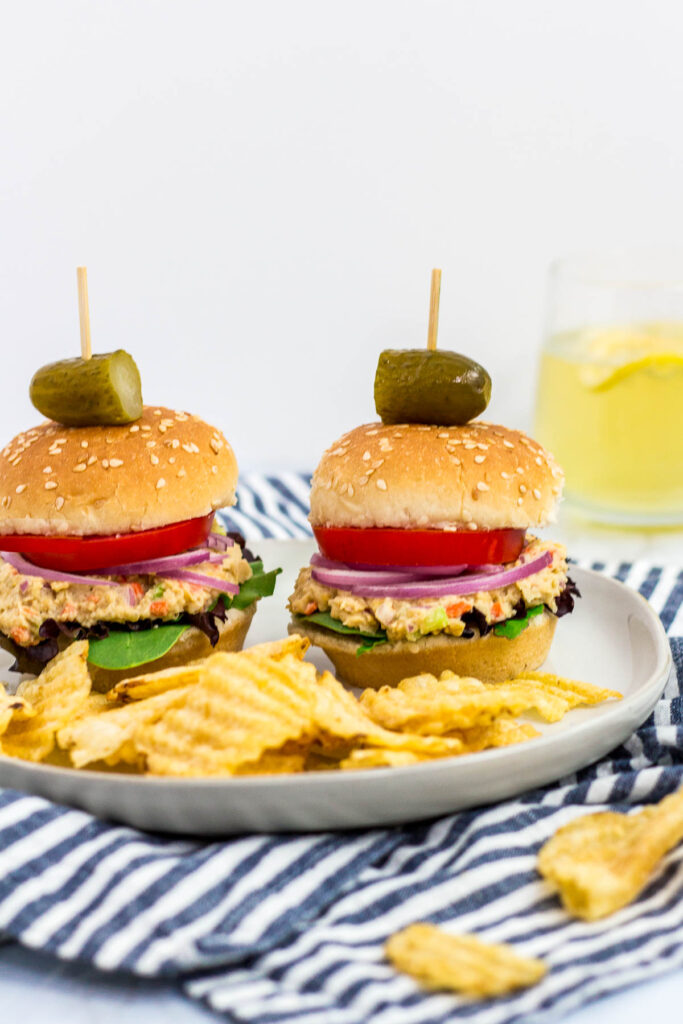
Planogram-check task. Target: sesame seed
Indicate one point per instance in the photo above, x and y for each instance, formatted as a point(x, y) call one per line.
point(480, 458)
point(505, 476)
point(171, 461)
point(154, 459)
point(349, 490)
point(182, 472)
point(50, 484)
point(519, 501)
point(366, 456)
point(163, 427)
point(105, 463)
point(539, 460)
point(522, 488)
point(48, 469)
point(84, 444)
point(381, 484)
point(454, 440)
point(161, 483)
point(80, 468)
point(456, 460)
point(175, 443)
point(385, 445)
point(482, 447)
point(470, 445)
point(214, 469)
point(134, 429)
point(481, 486)
point(92, 458)
point(60, 440)
point(537, 494)
point(371, 433)
point(21, 488)
point(115, 463)
point(157, 412)
point(59, 503)
point(519, 470)
point(145, 426)
point(471, 526)
point(215, 445)
point(362, 480)
point(378, 463)
point(16, 460)
point(153, 444)
point(508, 444)
point(443, 433)
point(5, 501)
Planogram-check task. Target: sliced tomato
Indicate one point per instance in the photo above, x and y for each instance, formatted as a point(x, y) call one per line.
point(81, 554)
point(379, 546)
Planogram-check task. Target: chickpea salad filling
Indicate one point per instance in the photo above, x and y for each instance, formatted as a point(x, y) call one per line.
point(508, 609)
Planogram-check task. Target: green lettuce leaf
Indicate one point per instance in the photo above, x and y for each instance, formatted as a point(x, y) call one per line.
point(124, 649)
point(368, 640)
point(511, 628)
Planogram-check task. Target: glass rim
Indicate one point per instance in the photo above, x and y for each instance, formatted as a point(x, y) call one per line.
point(641, 269)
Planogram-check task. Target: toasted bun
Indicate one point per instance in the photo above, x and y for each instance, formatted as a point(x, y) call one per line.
point(415, 475)
point(490, 658)
point(192, 646)
point(165, 467)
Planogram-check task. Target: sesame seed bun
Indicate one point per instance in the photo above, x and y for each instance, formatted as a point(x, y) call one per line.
point(166, 467)
point(413, 475)
point(490, 658)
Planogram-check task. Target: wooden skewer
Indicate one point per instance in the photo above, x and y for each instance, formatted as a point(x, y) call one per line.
point(84, 311)
point(433, 329)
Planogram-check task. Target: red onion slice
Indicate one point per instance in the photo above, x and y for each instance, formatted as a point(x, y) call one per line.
point(456, 585)
point(219, 541)
point(157, 565)
point(27, 568)
point(345, 579)
point(186, 576)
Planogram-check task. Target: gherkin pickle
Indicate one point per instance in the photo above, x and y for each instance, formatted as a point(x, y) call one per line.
point(101, 391)
point(420, 385)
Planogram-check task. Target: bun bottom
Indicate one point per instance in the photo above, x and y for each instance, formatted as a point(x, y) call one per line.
point(490, 658)
point(193, 645)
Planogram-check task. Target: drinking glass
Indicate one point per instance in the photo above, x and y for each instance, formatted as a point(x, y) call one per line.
point(610, 389)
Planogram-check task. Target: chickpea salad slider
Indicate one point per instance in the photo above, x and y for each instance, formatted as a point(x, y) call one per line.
point(108, 533)
point(427, 557)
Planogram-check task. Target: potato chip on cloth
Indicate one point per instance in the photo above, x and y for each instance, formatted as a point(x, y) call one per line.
point(462, 963)
point(601, 862)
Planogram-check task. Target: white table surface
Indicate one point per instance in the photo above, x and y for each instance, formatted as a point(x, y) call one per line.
point(36, 989)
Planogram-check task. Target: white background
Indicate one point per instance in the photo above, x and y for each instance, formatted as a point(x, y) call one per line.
point(260, 189)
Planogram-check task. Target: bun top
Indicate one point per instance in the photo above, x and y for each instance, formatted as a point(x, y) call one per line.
point(165, 467)
point(478, 476)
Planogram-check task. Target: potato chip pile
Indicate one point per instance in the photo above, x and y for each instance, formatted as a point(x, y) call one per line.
point(266, 711)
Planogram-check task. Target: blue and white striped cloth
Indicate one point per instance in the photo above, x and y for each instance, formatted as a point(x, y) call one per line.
point(284, 929)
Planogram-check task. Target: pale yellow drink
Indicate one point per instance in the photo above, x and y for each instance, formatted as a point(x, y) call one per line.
point(610, 408)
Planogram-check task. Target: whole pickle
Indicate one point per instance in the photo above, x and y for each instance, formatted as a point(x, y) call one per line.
point(419, 385)
point(100, 391)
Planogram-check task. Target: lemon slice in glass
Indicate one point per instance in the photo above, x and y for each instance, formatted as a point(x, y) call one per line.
point(614, 354)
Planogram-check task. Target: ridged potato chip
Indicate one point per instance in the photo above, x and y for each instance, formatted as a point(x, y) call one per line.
point(273, 762)
point(105, 733)
point(601, 862)
point(339, 715)
point(243, 706)
point(11, 707)
point(462, 963)
point(375, 757)
point(55, 696)
point(431, 706)
point(293, 644)
point(503, 732)
point(153, 683)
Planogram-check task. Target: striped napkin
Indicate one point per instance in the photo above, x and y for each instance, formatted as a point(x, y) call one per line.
point(278, 929)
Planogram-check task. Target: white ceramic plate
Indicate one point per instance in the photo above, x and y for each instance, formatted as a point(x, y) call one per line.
point(613, 639)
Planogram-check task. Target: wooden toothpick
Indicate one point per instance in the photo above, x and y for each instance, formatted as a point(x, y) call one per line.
point(84, 311)
point(433, 329)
